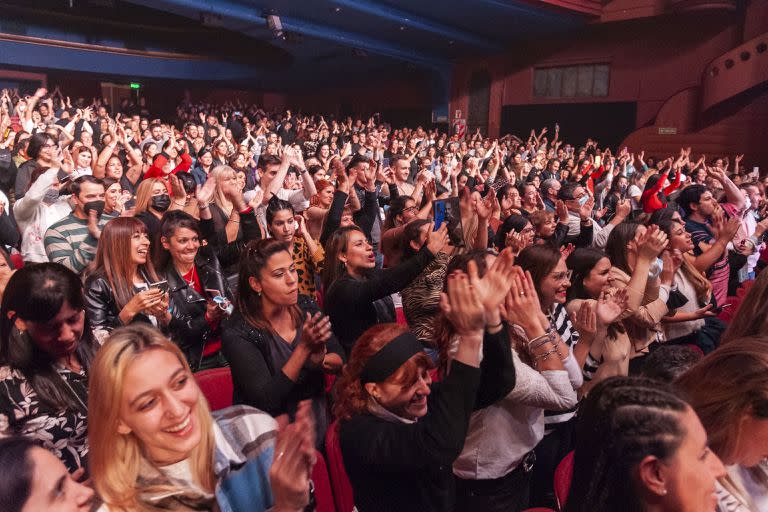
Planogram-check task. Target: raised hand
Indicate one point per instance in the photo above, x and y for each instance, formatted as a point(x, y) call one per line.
point(493, 287)
point(609, 308)
point(585, 319)
point(293, 461)
point(651, 242)
point(316, 331)
point(438, 240)
point(204, 193)
point(461, 306)
point(521, 305)
point(585, 211)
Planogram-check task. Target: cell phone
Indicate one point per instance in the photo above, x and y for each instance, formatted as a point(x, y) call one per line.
point(448, 211)
point(721, 308)
point(65, 179)
point(162, 285)
point(221, 300)
point(385, 162)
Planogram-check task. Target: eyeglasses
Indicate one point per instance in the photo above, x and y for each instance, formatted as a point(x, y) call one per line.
point(563, 276)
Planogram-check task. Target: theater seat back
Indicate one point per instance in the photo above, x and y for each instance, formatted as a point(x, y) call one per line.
point(322, 482)
point(342, 489)
point(216, 385)
point(563, 477)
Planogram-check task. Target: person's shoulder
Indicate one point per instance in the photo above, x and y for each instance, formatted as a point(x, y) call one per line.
point(66, 221)
point(244, 428)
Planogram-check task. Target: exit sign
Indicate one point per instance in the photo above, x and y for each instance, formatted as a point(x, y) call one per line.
point(135, 85)
point(667, 130)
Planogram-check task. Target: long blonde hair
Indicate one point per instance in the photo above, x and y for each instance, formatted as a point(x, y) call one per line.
point(219, 173)
point(144, 194)
point(115, 460)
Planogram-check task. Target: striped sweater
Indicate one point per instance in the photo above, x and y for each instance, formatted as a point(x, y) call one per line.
point(558, 318)
point(68, 242)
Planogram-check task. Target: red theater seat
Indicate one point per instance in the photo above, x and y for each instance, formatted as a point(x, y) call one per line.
point(216, 385)
point(342, 489)
point(563, 477)
point(322, 482)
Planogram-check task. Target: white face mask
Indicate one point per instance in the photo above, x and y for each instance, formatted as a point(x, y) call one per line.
point(747, 203)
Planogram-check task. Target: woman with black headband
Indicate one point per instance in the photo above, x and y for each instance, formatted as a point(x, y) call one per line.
point(399, 433)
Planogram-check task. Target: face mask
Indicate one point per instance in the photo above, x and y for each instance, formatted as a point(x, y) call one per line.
point(161, 202)
point(98, 206)
point(51, 196)
point(747, 203)
point(583, 199)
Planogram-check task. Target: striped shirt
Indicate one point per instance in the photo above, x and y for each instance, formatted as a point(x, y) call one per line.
point(68, 242)
point(559, 320)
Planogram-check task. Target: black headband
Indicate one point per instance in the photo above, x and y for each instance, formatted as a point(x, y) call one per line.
point(386, 361)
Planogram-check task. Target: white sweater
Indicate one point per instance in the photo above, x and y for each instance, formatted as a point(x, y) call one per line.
point(34, 217)
point(502, 434)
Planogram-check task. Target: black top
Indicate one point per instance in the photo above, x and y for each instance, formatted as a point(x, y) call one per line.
point(349, 301)
point(256, 357)
point(152, 223)
point(401, 467)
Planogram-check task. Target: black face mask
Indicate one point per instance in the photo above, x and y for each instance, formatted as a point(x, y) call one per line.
point(161, 202)
point(98, 206)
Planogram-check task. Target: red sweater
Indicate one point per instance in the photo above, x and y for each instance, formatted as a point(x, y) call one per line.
point(650, 198)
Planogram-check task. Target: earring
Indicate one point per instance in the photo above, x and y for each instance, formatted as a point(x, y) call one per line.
point(664, 492)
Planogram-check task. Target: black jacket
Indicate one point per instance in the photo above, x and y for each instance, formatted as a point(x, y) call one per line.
point(394, 466)
point(101, 306)
point(256, 381)
point(188, 327)
point(350, 302)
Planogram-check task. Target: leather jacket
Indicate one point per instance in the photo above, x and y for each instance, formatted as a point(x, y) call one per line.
point(103, 311)
point(188, 327)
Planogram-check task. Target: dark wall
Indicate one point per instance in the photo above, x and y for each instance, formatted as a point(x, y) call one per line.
point(609, 123)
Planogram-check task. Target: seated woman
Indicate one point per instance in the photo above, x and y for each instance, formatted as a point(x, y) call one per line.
point(36, 480)
point(634, 252)
point(608, 347)
point(278, 344)
point(46, 349)
point(195, 279)
point(494, 469)
point(728, 389)
point(155, 445)
point(640, 447)
point(356, 295)
point(552, 279)
point(308, 255)
point(319, 205)
point(152, 201)
point(114, 198)
point(399, 433)
point(118, 287)
point(547, 228)
point(42, 206)
point(685, 324)
point(516, 233)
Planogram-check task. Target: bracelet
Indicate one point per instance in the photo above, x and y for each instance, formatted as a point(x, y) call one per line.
point(204, 206)
point(544, 338)
point(233, 220)
point(177, 203)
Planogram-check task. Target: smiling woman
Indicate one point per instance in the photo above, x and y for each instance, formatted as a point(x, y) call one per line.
point(121, 285)
point(157, 447)
point(46, 347)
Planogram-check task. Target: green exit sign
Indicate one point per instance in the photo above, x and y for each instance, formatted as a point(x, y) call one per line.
point(135, 85)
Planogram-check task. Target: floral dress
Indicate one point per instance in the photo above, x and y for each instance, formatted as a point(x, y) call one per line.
point(63, 432)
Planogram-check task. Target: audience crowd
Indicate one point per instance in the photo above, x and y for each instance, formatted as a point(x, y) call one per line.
point(460, 316)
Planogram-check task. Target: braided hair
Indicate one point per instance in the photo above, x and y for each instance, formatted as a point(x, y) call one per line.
point(622, 421)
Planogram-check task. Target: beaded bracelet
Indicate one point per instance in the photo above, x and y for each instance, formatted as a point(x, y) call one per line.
point(549, 336)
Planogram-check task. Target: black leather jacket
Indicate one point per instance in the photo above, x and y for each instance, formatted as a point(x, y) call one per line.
point(103, 311)
point(188, 326)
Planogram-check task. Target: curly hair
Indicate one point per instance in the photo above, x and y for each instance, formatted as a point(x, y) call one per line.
point(351, 397)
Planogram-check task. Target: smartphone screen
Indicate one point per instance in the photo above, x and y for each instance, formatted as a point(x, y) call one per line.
point(162, 285)
point(385, 162)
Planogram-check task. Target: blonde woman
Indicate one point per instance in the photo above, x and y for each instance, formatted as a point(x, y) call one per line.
point(728, 389)
point(225, 217)
point(155, 445)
